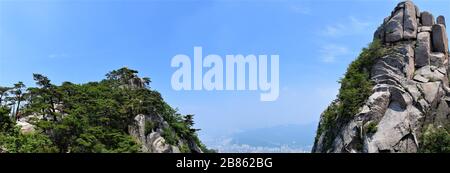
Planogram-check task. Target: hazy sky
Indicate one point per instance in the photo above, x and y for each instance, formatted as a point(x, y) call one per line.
point(81, 40)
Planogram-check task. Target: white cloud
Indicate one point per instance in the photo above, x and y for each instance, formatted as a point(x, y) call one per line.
point(330, 52)
point(351, 26)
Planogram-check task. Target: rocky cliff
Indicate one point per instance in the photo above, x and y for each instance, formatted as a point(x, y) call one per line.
point(152, 139)
point(407, 107)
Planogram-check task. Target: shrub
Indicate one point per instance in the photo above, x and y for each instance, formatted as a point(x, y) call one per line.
point(184, 148)
point(170, 136)
point(435, 140)
point(356, 87)
point(371, 128)
point(27, 143)
point(149, 127)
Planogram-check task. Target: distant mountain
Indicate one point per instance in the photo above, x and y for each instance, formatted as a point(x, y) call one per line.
point(284, 138)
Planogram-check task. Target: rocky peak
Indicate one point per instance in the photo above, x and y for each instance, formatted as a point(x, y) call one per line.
point(410, 93)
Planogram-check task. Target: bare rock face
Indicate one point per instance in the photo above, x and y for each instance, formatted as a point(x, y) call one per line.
point(426, 19)
point(402, 24)
point(423, 48)
point(441, 20)
point(440, 40)
point(152, 139)
point(410, 92)
point(410, 21)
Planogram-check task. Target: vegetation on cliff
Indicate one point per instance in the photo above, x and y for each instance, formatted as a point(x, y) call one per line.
point(436, 140)
point(356, 87)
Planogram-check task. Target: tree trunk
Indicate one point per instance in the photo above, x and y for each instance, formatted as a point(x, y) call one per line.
point(17, 109)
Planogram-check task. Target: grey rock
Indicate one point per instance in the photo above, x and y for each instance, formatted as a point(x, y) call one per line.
point(430, 73)
point(406, 53)
point(425, 29)
point(380, 34)
point(420, 78)
point(441, 20)
point(409, 21)
point(423, 49)
point(438, 59)
point(430, 90)
point(394, 27)
point(411, 81)
point(427, 18)
point(440, 115)
point(152, 142)
point(439, 37)
point(394, 31)
point(390, 130)
point(411, 88)
point(25, 127)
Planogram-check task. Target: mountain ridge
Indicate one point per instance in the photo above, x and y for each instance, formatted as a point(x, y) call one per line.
point(118, 114)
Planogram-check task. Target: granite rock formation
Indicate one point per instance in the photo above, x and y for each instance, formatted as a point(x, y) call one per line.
point(411, 88)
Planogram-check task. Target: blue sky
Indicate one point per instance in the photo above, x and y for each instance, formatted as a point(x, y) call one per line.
point(81, 40)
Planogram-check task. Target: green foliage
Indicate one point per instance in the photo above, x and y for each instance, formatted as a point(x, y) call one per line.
point(6, 124)
point(149, 127)
point(90, 118)
point(184, 148)
point(371, 128)
point(170, 136)
point(435, 140)
point(356, 87)
point(328, 122)
point(17, 142)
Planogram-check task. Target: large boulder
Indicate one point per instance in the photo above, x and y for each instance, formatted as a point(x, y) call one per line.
point(431, 91)
point(422, 50)
point(24, 124)
point(438, 59)
point(439, 37)
point(409, 21)
point(441, 20)
point(152, 142)
point(431, 73)
point(427, 18)
point(394, 27)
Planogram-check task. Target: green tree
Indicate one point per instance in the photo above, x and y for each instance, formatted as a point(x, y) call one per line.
point(91, 117)
point(18, 92)
point(6, 124)
point(436, 140)
point(122, 75)
point(46, 97)
point(3, 93)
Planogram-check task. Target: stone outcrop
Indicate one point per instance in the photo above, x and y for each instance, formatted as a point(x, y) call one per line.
point(152, 139)
point(410, 92)
point(440, 40)
point(441, 20)
point(402, 24)
point(426, 19)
